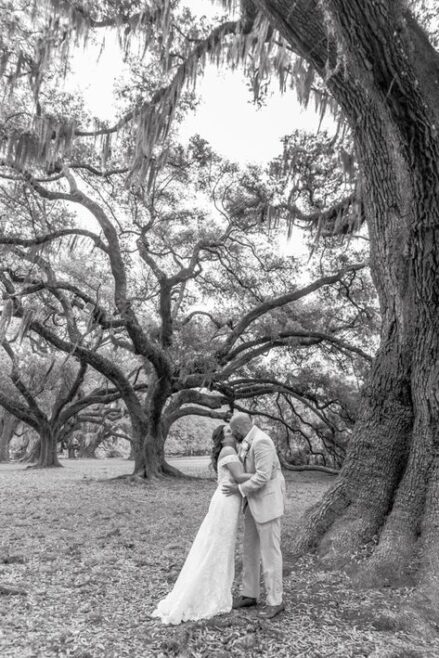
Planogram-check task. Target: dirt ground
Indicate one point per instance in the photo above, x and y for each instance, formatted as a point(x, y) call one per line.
point(89, 558)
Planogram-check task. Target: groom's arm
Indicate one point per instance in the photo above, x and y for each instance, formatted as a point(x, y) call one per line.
point(237, 471)
point(263, 456)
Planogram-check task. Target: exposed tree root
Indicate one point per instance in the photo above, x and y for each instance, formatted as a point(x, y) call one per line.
point(171, 471)
point(418, 619)
point(28, 459)
point(13, 559)
point(387, 568)
point(37, 465)
point(421, 618)
point(375, 575)
point(347, 536)
point(319, 519)
point(164, 471)
point(133, 478)
point(7, 590)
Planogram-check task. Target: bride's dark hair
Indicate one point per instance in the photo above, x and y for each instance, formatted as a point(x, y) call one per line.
point(217, 439)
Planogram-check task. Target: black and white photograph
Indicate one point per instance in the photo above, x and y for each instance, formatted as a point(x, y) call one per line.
point(219, 329)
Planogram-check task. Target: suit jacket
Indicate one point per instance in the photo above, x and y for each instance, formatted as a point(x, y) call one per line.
point(265, 490)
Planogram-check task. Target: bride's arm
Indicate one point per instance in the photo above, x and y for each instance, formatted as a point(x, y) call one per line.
point(235, 468)
point(239, 476)
point(237, 471)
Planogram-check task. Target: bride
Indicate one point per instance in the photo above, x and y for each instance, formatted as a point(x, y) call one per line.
point(204, 587)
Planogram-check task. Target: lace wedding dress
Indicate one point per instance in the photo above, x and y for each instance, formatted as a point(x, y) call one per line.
point(204, 586)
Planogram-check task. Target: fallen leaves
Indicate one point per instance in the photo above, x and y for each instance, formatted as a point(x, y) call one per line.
point(12, 559)
point(95, 557)
point(8, 590)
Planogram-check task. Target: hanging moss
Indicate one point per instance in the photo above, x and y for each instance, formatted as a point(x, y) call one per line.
point(47, 140)
point(250, 43)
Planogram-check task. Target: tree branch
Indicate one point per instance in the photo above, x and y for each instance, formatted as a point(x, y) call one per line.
point(92, 357)
point(34, 410)
point(190, 410)
point(332, 221)
point(140, 340)
point(99, 314)
point(49, 237)
point(277, 302)
point(63, 401)
point(305, 338)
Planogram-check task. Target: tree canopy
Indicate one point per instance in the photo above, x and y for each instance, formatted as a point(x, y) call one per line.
point(375, 66)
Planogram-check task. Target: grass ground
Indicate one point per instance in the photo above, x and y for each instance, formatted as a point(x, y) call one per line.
point(94, 556)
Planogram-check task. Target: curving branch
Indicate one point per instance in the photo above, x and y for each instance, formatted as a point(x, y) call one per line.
point(50, 237)
point(277, 302)
point(99, 362)
point(168, 283)
point(218, 324)
point(81, 16)
point(34, 410)
point(185, 399)
point(304, 338)
point(18, 410)
point(166, 97)
point(336, 220)
point(69, 396)
point(99, 314)
point(99, 172)
point(141, 342)
point(190, 410)
point(269, 387)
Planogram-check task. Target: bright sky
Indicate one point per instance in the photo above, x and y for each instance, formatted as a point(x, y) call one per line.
point(225, 116)
point(235, 127)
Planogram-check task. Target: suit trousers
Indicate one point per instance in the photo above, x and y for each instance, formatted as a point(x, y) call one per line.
point(261, 545)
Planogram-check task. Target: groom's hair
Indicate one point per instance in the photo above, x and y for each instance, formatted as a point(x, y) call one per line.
point(241, 422)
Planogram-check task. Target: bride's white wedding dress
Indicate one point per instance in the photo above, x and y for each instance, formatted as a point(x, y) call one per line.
point(204, 586)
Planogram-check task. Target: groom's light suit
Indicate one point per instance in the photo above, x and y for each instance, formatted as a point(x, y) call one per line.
point(265, 493)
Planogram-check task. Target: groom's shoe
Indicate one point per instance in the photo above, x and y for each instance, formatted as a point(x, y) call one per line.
point(271, 611)
point(243, 602)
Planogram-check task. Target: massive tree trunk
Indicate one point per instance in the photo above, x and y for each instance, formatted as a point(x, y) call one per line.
point(382, 70)
point(150, 431)
point(87, 450)
point(88, 444)
point(4, 446)
point(30, 450)
point(149, 451)
point(9, 424)
point(48, 453)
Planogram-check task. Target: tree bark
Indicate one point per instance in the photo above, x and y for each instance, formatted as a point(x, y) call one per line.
point(149, 449)
point(4, 446)
point(30, 451)
point(373, 56)
point(148, 445)
point(133, 451)
point(48, 453)
point(88, 446)
point(9, 425)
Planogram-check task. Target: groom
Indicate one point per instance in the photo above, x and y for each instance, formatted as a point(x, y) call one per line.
point(265, 496)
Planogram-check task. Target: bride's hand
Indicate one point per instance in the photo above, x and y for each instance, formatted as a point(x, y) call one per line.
point(230, 489)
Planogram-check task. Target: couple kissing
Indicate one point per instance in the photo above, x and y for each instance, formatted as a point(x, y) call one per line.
point(249, 480)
